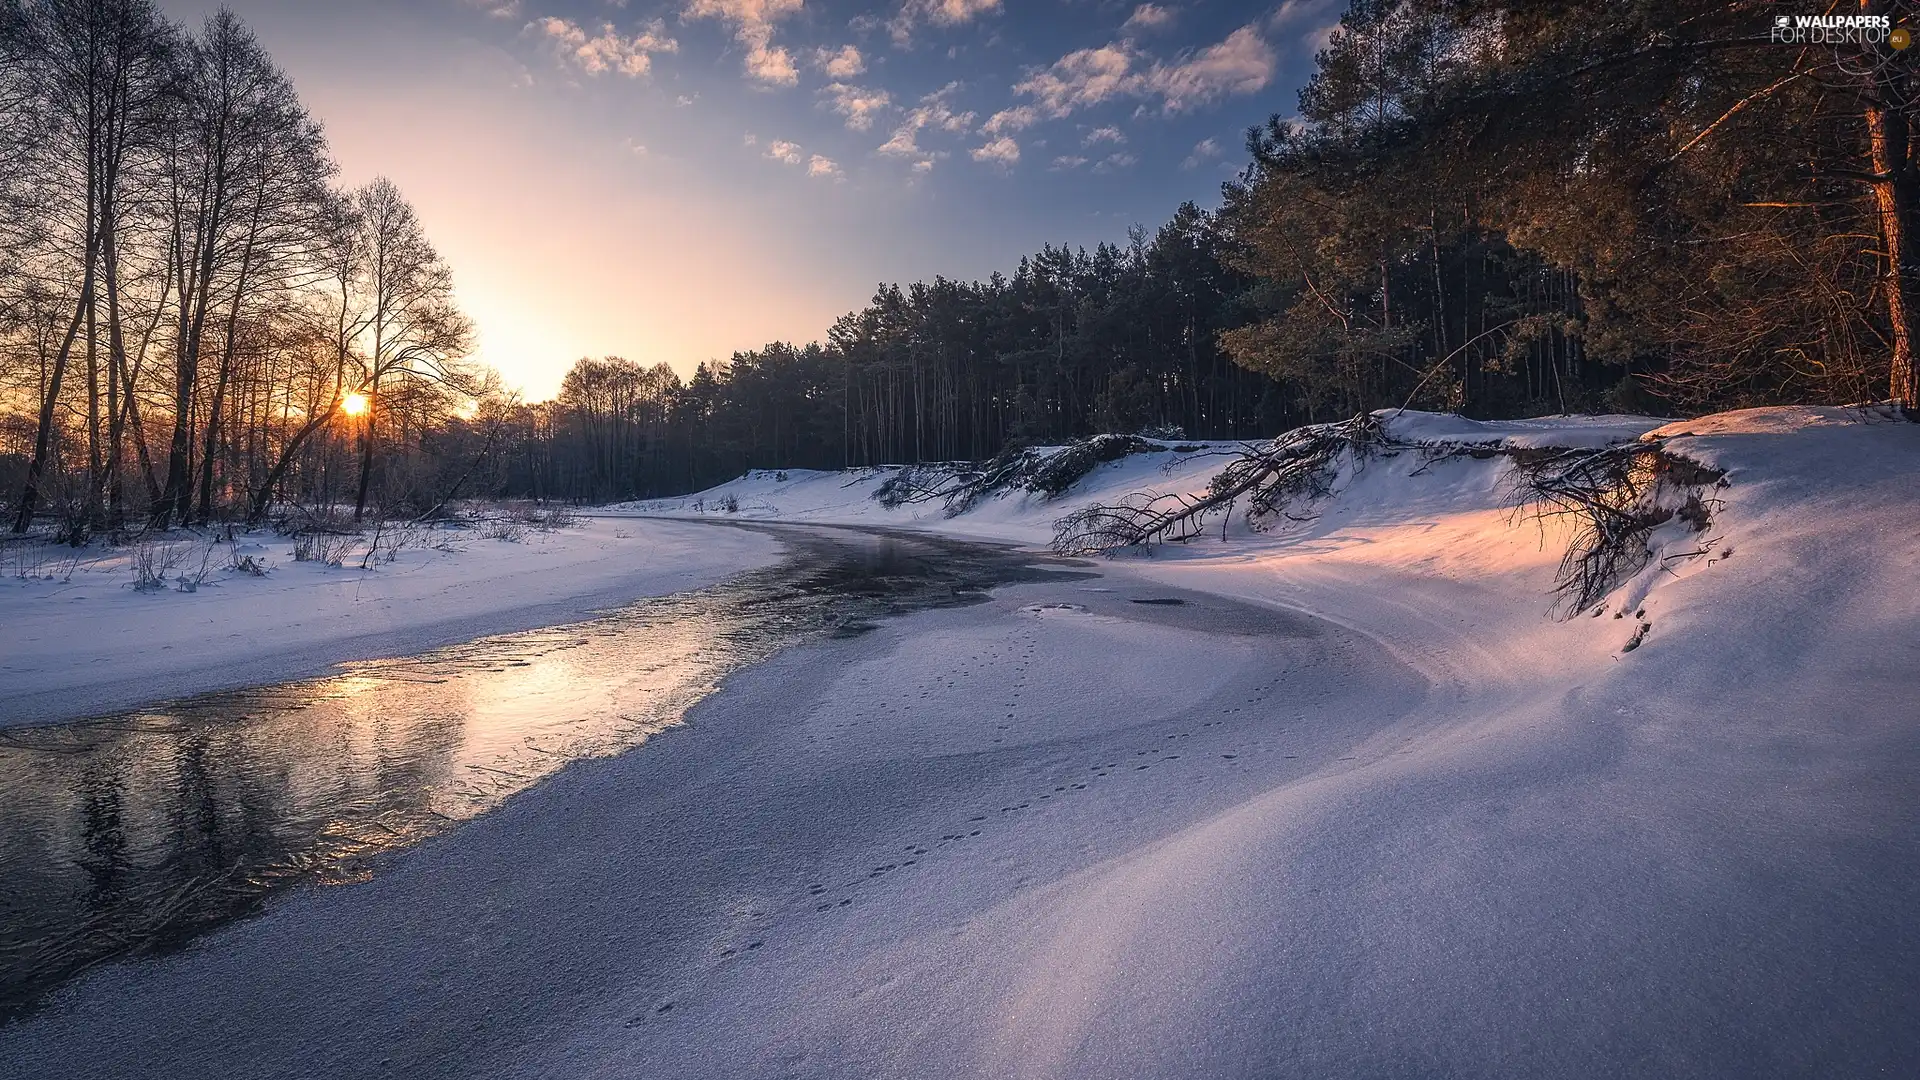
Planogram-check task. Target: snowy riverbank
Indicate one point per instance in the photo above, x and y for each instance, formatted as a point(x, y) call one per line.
point(1340, 798)
point(83, 641)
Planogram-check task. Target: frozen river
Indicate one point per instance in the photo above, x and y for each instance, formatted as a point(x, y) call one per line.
point(132, 833)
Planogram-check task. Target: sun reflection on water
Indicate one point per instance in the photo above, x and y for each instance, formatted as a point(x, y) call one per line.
point(134, 832)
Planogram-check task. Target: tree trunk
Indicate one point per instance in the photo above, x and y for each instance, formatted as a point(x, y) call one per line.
point(116, 361)
point(264, 497)
point(36, 465)
point(1893, 196)
point(366, 453)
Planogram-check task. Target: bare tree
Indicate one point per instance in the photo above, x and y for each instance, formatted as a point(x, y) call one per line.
point(175, 266)
point(248, 169)
point(414, 331)
point(87, 72)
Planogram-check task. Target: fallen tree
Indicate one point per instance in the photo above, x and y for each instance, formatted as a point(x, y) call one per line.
point(1614, 495)
point(1270, 477)
point(962, 484)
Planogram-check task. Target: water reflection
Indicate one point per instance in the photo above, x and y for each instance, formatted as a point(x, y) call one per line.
point(133, 832)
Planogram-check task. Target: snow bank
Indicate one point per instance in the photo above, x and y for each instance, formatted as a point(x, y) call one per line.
point(80, 640)
point(1817, 522)
point(1556, 431)
point(851, 496)
point(1562, 856)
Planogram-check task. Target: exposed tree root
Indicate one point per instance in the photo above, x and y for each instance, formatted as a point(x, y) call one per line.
point(1271, 478)
point(1614, 495)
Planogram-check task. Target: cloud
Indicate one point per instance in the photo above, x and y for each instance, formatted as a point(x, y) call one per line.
point(1291, 12)
point(1114, 162)
point(499, 9)
point(1203, 151)
point(1321, 18)
point(606, 52)
point(955, 12)
point(791, 153)
point(935, 111)
point(1068, 161)
point(743, 12)
point(1081, 78)
point(857, 105)
point(938, 12)
point(905, 144)
point(844, 63)
point(1001, 151)
point(1242, 64)
point(772, 64)
point(1104, 134)
point(1148, 17)
point(752, 22)
point(1018, 118)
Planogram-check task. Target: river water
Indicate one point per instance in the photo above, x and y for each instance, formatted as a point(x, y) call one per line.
point(132, 833)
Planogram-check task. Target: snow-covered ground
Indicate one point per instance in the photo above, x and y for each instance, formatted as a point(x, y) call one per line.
point(81, 640)
point(847, 498)
point(1359, 804)
point(1565, 859)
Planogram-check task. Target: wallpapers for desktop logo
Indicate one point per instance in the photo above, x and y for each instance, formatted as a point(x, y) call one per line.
point(1840, 30)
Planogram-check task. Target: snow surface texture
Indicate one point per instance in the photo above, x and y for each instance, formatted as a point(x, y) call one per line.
point(81, 641)
point(1358, 807)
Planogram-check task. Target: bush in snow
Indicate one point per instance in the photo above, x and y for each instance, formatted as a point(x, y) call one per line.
point(249, 564)
point(503, 528)
point(325, 548)
point(1614, 496)
point(539, 517)
point(31, 558)
point(918, 483)
point(157, 563)
point(151, 561)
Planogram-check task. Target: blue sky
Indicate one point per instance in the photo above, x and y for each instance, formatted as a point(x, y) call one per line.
point(674, 181)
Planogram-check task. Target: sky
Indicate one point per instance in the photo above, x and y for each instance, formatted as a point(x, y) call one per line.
point(673, 181)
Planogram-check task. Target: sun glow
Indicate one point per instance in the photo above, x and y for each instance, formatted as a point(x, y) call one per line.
point(354, 404)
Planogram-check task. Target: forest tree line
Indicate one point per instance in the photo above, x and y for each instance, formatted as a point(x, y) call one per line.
point(1497, 209)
